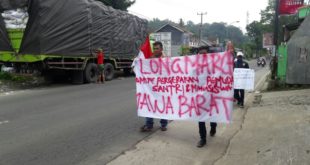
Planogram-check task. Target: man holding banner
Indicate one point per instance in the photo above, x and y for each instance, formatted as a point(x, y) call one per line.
point(195, 87)
point(202, 125)
point(158, 53)
point(239, 93)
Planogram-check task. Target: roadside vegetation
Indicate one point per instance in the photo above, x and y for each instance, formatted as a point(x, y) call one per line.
point(7, 76)
point(12, 81)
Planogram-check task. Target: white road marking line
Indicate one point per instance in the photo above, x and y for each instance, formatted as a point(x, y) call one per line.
point(262, 79)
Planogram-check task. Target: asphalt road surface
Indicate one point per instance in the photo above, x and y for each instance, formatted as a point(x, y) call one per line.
point(65, 125)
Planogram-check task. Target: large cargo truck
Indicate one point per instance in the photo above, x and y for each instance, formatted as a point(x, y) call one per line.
point(62, 36)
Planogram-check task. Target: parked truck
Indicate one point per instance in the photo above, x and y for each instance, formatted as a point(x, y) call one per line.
point(62, 37)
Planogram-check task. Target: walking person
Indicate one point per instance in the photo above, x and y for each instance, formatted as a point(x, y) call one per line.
point(149, 122)
point(202, 125)
point(239, 93)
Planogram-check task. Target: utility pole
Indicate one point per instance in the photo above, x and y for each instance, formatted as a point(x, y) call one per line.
point(200, 29)
point(275, 41)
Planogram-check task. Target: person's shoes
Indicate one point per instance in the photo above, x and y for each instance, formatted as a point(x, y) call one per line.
point(201, 143)
point(163, 128)
point(213, 131)
point(241, 106)
point(146, 129)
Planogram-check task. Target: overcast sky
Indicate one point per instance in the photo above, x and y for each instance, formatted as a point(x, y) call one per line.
point(228, 11)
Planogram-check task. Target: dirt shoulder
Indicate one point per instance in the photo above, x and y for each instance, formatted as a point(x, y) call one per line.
point(12, 82)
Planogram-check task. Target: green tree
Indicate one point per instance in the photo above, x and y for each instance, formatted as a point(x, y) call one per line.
point(209, 31)
point(119, 4)
point(206, 31)
point(256, 29)
point(181, 23)
point(191, 26)
point(268, 16)
point(156, 24)
point(217, 30)
point(255, 34)
point(235, 35)
point(268, 19)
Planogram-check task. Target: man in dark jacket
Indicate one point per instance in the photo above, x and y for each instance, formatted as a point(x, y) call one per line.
point(202, 125)
point(239, 93)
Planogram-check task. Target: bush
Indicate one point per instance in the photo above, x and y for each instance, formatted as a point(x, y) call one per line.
point(185, 50)
point(15, 78)
point(5, 76)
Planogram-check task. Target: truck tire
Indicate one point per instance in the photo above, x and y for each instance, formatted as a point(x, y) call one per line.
point(91, 73)
point(109, 71)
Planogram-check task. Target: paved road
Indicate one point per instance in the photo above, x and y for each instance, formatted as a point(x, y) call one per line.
point(69, 125)
point(85, 124)
point(259, 72)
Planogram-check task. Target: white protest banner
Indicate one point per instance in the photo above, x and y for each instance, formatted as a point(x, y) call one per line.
point(197, 87)
point(244, 78)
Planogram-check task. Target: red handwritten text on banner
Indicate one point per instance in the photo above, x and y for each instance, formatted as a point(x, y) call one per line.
point(197, 87)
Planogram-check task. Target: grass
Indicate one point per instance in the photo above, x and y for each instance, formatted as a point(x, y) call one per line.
point(6, 76)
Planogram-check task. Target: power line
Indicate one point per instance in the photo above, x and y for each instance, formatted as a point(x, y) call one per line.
point(139, 15)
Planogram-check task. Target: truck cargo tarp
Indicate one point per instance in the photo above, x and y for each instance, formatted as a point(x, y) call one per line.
point(298, 55)
point(78, 27)
point(12, 4)
point(4, 38)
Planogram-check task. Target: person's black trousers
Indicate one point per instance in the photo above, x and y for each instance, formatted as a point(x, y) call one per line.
point(239, 95)
point(203, 129)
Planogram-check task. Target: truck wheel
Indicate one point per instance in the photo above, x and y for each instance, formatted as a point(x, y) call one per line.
point(109, 71)
point(91, 73)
